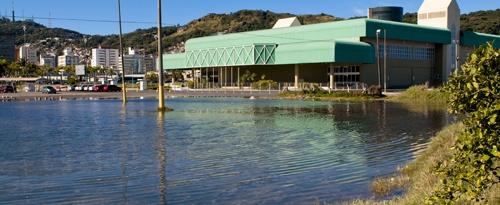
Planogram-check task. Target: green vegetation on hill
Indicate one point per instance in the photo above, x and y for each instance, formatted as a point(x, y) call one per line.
point(244, 20)
point(479, 21)
point(482, 21)
point(35, 31)
point(211, 24)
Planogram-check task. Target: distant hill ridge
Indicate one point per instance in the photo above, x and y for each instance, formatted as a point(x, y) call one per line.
point(55, 39)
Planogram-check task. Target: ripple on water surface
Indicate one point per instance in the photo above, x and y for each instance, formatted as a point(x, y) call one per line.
point(208, 151)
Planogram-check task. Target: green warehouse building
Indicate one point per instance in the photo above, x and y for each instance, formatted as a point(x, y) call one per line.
point(341, 53)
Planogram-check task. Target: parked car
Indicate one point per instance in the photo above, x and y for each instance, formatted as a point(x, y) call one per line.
point(72, 88)
point(87, 87)
point(78, 88)
point(99, 88)
point(7, 89)
point(112, 88)
point(49, 90)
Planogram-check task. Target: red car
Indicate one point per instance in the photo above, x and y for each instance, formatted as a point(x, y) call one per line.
point(111, 88)
point(98, 88)
point(107, 88)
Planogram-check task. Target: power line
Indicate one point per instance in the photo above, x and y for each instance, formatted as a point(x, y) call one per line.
point(91, 20)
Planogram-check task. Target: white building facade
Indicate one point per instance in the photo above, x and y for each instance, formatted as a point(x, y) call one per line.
point(136, 63)
point(28, 53)
point(69, 58)
point(48, 60)
point(107, 58)
point(444, 14)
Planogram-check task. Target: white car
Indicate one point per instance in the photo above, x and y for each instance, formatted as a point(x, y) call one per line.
point(78, 88)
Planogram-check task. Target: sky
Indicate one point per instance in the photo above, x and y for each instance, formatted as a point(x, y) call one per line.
point(183, 11)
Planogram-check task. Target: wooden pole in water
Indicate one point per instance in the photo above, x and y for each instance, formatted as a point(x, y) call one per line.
point(161, 97)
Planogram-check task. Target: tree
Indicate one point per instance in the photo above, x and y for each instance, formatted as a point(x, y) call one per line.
point(475, 94)
point(14, 69)
point(151, 77)
point(4, 64)
point(248, 77)
point(92, 71)
point(177, 76)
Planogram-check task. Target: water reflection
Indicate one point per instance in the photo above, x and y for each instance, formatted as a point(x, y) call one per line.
point(218, 151)
point(125, 152)
point(162, 157)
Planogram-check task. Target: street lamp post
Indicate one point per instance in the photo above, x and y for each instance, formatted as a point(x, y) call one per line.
point(161, 97)
point(378, 58)
point(385, 61)
point(124, 89)
point(385, 58)
point(457, 54)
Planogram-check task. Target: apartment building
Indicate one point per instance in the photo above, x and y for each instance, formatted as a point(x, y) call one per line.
point(69, 58)
point(29, 53)
point(136, 63)
point(104, 57)
point(48, 60)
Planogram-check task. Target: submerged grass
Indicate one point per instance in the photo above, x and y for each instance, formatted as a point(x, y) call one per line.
point(418, 177)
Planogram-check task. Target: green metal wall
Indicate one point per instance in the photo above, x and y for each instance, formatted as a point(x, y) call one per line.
point(337, 42)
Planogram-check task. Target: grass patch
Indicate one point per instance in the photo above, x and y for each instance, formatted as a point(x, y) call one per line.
point(323, 95)
point(422, 94)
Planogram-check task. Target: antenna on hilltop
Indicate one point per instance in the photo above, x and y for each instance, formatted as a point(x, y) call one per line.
point(50, 20)
point(13, 16)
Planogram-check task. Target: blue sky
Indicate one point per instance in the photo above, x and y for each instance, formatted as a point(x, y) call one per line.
point(183, 11)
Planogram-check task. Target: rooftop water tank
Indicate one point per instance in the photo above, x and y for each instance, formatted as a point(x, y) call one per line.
point(388, 13)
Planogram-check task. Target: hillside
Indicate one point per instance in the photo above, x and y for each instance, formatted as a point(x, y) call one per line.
point(55, 39)
point(482, 21)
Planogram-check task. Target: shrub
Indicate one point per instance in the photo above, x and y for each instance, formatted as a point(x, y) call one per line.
point(190, 84)
point(265, 85)
point(312, 89)
point(475, 94)
point(375, 90)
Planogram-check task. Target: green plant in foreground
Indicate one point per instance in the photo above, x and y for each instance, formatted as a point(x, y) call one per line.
point(474, 92)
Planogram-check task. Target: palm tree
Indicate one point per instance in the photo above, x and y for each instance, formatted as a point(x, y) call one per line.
point(91, 71)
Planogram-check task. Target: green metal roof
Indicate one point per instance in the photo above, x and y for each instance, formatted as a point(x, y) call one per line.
point(407, 31)
point(174, 61)
point(348, 29)
point(476, 39)
point(318, 43)
point(325, 52)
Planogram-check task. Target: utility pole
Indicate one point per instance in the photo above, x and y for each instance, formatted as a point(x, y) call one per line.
point(124, 89)
point(161, 97)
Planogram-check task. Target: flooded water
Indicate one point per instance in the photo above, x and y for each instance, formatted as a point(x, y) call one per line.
point(208, 151)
